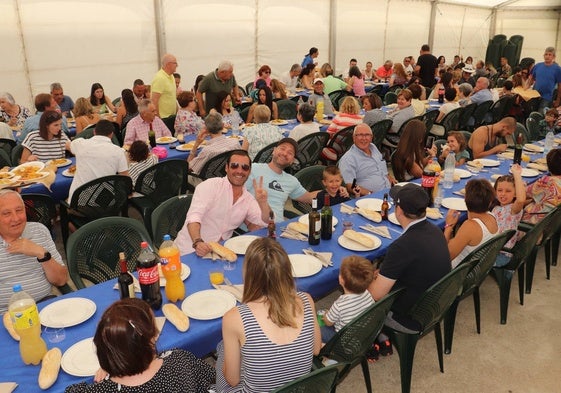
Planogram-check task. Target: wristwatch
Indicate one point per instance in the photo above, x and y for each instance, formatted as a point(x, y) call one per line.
point(47, 257)
point(197, 241)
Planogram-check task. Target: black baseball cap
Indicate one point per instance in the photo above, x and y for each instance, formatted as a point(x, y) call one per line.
point(291, 142)
point(412, 198)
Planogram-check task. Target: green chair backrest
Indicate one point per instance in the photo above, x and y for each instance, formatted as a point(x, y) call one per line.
point(310, 147)
point(287, 109)
point(435, 301)
point(480, 112)
point(379, 132)
point(88, 132)
point(526, 244)
point(311, 180)
point(390, 98)
point(169, 217)
point(5, 159)
point(162, 181)
point(482, 260)
point(93, 250)
point(319, 381)
point(264, 155)
point(533, 127)
point(16, 154)
point(351, 342)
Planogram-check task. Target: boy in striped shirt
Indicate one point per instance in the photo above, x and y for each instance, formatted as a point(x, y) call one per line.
point(355, 275)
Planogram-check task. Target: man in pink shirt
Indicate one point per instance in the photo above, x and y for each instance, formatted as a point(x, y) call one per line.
point(220, 205)
point(139, 127)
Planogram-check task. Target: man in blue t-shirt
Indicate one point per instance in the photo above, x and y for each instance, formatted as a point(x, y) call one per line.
point(547, 76)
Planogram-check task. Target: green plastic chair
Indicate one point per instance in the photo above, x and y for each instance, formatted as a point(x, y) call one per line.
point(533, 127)
point(550, 243)
point(337, 145)
point(88, 132)
point(264, 155)
point(390, 98)
point(102, 197)
point(429, 310)
point(500, 108)
point(93, 250)
point(481, 261)
point(309, 150)
point(523, 251)
point(287, 109)
point(311, 180)
point(350, 344)
point(16, 154)
point(157, 184)
point(5, 159)
point(466, 115)
point(379, 131)
point(169, 217)
point(430, 117)
point(450, 122)
point(480, 113)
point(318, 381)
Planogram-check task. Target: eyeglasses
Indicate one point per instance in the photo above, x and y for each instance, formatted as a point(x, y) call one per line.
point(236, 165)
point(267, 72)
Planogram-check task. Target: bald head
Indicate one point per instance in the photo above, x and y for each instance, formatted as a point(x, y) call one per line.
point(169, 63)
point(362, 127)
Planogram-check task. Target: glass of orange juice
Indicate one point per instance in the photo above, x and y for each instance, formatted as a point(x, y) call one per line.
point(216, 275)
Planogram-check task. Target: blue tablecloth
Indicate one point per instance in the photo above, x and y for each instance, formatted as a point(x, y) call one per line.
point(203, 336)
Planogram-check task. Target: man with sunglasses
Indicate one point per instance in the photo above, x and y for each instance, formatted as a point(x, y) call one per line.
point(222, 204)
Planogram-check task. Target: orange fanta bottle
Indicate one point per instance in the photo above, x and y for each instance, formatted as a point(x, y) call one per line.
point(171, 267)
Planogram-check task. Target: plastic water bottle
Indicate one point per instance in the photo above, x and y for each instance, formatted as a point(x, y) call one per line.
point(449, 167)
point(171, 267)
point(549, 141)
point(25, 319)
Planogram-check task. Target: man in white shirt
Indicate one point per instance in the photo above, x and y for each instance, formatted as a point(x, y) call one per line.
point(290, 78)
point(97, 157)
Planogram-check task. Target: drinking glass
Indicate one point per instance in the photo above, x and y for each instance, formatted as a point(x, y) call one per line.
point(216, 275)
point(54, 335)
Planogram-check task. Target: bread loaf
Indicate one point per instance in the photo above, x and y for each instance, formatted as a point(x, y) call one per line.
point(360, 238)
point(372, 215)
point(9, 326)
point(176, 317)
point(298, 227)
point(223, 252)
point(50, 367)
point(433, 213)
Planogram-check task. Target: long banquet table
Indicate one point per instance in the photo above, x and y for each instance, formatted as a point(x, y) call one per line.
point(202, 336)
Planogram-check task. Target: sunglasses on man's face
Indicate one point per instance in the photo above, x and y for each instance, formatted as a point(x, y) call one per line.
point(236, 165)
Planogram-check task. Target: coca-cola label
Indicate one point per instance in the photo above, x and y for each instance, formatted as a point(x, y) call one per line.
point(428, 181)
point(149, 275)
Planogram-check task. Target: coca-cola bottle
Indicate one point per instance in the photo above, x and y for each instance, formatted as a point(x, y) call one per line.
point(148, 277)
point(428, 179)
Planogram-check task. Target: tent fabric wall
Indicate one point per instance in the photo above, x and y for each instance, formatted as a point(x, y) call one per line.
point(79, 42)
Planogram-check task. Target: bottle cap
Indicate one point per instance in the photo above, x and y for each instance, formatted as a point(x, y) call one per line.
point(17, 288)
point(167, 237)
point(144, 245)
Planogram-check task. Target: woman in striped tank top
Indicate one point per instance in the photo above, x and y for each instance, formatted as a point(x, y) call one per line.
point(271, 338)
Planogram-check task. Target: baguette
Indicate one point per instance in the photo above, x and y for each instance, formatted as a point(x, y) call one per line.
point(9, 326)
point(50, 367)
point(433, 213)
point(176, 317)
point(298, 227)
point(370, 214)
point(360, 238)
point(223, 252)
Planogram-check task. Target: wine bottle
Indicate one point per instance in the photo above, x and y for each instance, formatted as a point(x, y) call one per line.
point(326, 219)
point(125, 280)
point(385, 207)
point(314, 224)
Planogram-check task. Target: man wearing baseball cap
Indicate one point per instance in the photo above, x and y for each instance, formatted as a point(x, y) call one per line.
point(281, 185)
point(319, 95)
point(416, 260)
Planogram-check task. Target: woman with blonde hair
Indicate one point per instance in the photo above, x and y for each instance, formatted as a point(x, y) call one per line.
point(262, 134)
point(84, 114)
point(399, 76)
point(275, 325)
point(348, 115)
point(278, 89)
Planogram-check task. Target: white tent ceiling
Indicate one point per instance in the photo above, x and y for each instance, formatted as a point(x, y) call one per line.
point(79, 42)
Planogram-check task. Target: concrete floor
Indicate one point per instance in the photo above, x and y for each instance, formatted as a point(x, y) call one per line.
point(519, 357)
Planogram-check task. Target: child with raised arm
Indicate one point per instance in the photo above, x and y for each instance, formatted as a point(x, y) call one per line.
point(510, 198)
point(355, 275)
